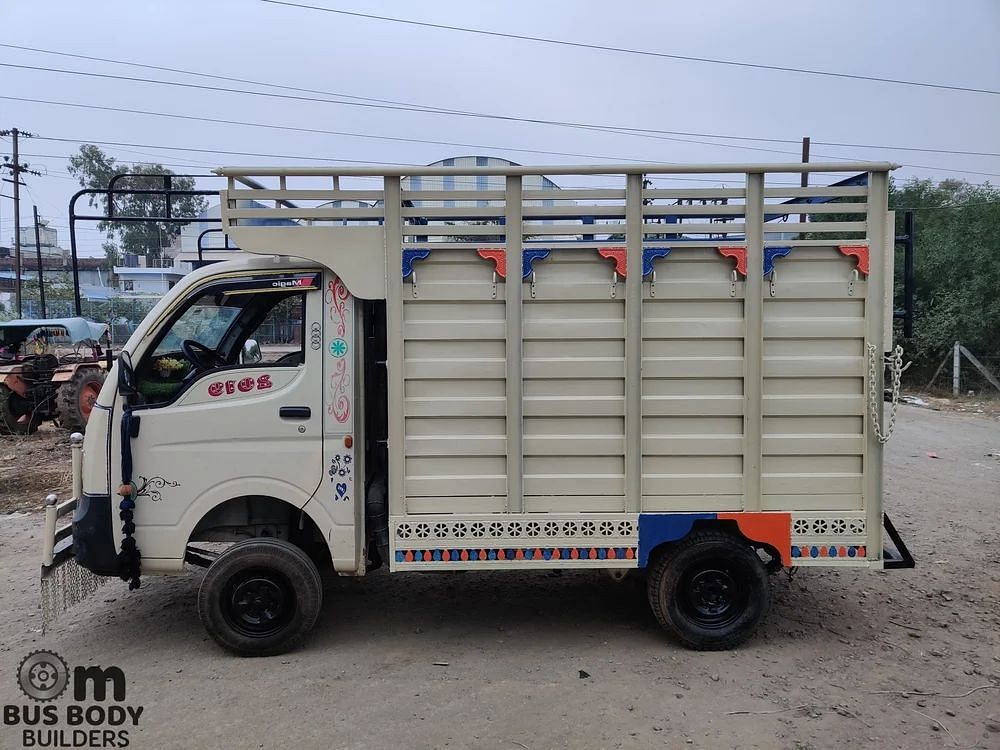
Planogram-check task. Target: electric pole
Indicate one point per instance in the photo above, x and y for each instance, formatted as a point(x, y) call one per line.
point(38, 256)
point(16, 168)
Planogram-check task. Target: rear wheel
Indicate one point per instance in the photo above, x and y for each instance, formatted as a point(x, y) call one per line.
point(710, 591)
point(77, 396)
point(260, 597)
point(18, 415)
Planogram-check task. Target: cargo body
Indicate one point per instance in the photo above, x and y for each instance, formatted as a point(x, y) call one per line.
point(516, 376)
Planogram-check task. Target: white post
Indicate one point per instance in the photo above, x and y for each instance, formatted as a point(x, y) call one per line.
point(49, 533)
point(76, 445)
point(956, 366)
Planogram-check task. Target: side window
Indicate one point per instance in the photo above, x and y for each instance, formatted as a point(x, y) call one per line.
point(280, 334)
point(224, 327)
point(206, 321)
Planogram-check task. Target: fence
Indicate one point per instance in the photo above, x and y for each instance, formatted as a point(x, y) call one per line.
point(123, 314)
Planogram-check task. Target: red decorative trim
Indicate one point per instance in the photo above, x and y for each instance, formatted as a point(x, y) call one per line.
point(860, 252)
point(740, 254)
point(498, 255)
point(618, 255)
point(774, 529)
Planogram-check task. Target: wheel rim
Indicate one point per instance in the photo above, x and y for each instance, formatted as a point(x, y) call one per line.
point(259, 604)
point(88, 397)
point(714, 596)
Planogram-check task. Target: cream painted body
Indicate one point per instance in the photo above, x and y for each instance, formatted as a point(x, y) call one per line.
point(557, 408)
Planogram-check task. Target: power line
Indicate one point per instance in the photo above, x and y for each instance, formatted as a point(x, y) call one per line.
point(630, 51)
point(401, 139)
point(321, 131)
point(617, 130)
point(321, 159)
point(215, 76)
point(431, 109)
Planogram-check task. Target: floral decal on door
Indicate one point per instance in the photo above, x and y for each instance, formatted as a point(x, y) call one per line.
point(339, 320)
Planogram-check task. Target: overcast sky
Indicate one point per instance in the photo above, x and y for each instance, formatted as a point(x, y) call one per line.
point(952, 43)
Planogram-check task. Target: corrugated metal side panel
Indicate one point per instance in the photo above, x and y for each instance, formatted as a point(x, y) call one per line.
point(692, 385)
point(574, 385)
point(454, 387)
point(813, 432)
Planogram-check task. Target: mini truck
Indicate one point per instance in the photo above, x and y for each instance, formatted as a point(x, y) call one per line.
point(485, 374)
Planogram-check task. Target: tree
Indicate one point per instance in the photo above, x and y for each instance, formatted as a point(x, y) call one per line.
point(95, 169)
point(956, 268)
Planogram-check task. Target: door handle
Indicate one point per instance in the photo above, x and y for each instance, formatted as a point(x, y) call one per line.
point(295, 412)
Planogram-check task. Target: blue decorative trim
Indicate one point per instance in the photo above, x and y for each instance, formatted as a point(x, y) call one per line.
point(529, 257)
point(649, 254)
point(410, 257)
point(771, 254)
point(657, 528)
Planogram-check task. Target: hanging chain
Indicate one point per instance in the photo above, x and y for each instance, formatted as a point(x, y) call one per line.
point(895, 363)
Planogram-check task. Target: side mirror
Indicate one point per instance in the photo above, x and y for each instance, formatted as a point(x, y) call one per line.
point(126, 375)
point(251, 352)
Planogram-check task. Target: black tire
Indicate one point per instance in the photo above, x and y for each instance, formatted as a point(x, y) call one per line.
point(710, 591)
point(260, 597)
point(75, 398)
point(17, 415)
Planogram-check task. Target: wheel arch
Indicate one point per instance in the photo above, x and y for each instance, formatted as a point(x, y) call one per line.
point(658, 532)
point(268, 495)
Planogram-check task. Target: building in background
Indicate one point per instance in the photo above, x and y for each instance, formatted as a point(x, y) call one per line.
point(48, 238)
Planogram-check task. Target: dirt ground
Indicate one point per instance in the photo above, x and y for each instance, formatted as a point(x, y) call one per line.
point(32, 466)
point(899, 659)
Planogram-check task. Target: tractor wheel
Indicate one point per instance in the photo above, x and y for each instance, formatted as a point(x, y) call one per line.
point(77, 396)
point(17, 415)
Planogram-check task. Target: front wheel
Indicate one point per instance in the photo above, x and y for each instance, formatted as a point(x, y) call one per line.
point(710, 591)
point(260, 597)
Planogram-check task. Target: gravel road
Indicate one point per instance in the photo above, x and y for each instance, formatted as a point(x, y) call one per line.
point(901, 659)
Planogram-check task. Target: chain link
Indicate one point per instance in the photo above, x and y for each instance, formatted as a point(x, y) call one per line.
point(894, 362)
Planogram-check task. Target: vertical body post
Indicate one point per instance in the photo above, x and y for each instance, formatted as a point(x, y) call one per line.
point(753, 342)
point(956, 370)
point(880, 243)
point(394, 342)
point(513, 291)
point(633, 343)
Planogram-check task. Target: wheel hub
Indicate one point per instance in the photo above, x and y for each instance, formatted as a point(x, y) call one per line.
point(711, 592)
point(259, 605)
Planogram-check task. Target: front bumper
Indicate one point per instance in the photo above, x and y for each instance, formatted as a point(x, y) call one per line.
point(88, 537)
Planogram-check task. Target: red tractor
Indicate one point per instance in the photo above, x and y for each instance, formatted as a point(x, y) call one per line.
point(50, 369)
